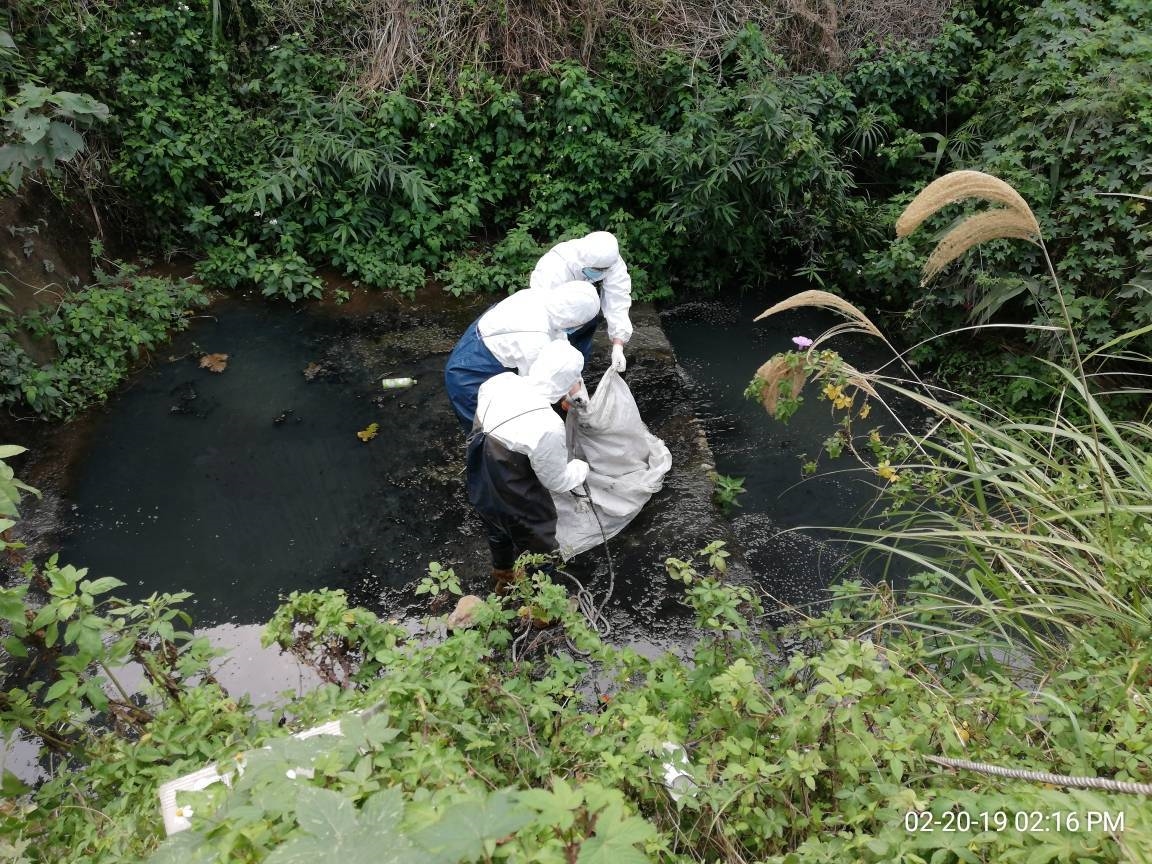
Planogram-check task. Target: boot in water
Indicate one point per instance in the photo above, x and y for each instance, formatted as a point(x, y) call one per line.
point(502, 581)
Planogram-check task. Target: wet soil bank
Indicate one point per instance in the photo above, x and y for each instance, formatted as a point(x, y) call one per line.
point(244, 485)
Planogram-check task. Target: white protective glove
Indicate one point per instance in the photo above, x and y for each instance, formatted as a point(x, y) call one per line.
point(580, 398)
point(618, 361)
point(577, 471)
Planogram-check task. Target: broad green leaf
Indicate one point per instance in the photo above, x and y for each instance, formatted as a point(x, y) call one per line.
point(614, 843)
point(11, 604)
point(537, 799)
point(65, 580)
point(100, 586)
point(45, 615)
point(303, 752)
point(89, 640)
point(324, 813)
point(33, 128)
point(73, 104)
point(71, 631)
point(12, 786)
point(8, 496)
point(556, 808)
point(566, 796)
point(32, 96)
point(377, 731)
point(64, 141)
point(383, 811)
point(187, 847)
point(7, 451)
point(61, 687)
point(466, 827)
point(305, 850)
point(352, 729)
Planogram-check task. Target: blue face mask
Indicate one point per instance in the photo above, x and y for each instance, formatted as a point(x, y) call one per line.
point(594, 274)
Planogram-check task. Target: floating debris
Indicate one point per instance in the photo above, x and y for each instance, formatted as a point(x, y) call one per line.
point(397, 383)
point(283, 416)
point(214, 362)
point(368, 434)
point(315, 370)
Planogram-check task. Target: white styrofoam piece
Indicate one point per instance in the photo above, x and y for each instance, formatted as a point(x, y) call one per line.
point(193, 782)
point(206, 776)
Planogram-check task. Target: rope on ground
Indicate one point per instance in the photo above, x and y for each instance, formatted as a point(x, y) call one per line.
point(516, 655)
point(1043, 777)
point(585, 600)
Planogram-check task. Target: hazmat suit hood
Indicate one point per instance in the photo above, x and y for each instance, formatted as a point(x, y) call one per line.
point(571, 305)
point(556, 369)
point(600, 250)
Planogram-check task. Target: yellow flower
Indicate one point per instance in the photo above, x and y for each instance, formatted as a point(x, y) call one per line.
point(843, 402)
point(865, 411)
point(874, 436)
point(887, 471)
point(833, 391)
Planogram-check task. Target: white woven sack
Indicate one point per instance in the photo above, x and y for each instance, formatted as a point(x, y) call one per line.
point(627, 464)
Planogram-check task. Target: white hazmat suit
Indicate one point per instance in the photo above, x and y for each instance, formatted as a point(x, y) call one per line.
point(518, 327)
point(517, 412)
point(518, 456)
point(509, 336)
point(595, 257)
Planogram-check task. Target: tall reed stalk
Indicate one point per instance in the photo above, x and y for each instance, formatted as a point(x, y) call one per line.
point(1032, 527)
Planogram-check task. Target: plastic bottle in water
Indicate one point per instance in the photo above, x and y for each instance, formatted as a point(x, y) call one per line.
point(397, 383)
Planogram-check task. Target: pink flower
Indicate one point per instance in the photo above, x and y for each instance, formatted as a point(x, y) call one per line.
point(801, 341)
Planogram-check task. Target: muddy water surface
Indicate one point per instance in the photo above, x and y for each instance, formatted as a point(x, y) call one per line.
point(252, 482)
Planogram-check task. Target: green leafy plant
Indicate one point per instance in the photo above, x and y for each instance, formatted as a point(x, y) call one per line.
point(1071, 77)
point(725, 491)
point(64, 659)
point(439, 579)
point(95, 335)
point(41, 130)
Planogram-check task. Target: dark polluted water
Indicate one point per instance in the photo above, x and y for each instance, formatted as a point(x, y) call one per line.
point(243, 485)
point(787, 524)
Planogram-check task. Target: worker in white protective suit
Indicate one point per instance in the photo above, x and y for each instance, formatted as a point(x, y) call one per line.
point(518, 455)
point(595, 258)
point(510, 335)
